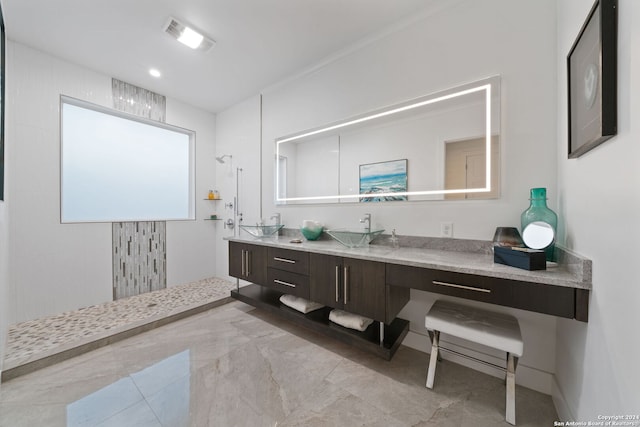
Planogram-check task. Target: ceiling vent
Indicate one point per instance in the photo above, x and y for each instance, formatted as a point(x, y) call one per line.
point(187, 35)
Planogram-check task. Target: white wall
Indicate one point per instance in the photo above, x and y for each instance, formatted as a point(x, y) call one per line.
point(58, 267)
point(464, 42)
point(5, 305)
point(597, 369)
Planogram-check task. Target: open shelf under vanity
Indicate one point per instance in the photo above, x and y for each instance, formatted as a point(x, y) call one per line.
point(269, 300)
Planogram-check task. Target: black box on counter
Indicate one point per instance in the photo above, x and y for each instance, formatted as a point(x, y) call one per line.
point(525, 258)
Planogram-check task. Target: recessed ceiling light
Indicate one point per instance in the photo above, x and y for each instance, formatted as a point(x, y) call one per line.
point(187, 35)
point(154, 72)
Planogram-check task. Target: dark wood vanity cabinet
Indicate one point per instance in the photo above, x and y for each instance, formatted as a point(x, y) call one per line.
point(378, 290)
point(354, 285)
point(248, 262)
point(541, 298)
point(283, 270)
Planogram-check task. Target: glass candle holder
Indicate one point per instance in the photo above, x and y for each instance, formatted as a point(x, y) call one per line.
point(507, 236)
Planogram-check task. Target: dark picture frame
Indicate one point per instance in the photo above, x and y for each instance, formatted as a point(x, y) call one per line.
point(592, 80)
point(2, 101)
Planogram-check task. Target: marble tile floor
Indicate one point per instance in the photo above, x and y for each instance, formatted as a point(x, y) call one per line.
point(41, 342)
point(235, 365)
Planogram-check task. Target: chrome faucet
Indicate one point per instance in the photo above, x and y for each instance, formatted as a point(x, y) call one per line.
point(277, 217)
point(366, 219)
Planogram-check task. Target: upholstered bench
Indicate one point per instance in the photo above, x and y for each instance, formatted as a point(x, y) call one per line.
point(496, 330)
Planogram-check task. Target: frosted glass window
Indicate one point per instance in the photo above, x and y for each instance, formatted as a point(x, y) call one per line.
point(117, 167)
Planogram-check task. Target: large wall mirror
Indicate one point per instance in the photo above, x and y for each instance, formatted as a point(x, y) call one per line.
point(437, 147)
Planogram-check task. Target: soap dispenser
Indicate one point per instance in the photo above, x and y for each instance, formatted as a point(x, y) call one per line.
point(394, 239)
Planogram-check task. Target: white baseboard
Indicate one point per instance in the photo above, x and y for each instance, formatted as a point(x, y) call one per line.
point(526, 376)
point(562, 408)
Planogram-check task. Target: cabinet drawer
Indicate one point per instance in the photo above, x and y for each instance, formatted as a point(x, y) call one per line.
point(542, 298)
point(288, 260)
point(288, 283)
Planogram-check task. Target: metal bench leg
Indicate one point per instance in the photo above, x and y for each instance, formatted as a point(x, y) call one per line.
point(511, 389)
point(435, 339)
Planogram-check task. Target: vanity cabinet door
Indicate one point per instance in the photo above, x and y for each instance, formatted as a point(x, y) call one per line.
point(248, 262)
point(325, 280)
point(364, 288)
point(353, 285)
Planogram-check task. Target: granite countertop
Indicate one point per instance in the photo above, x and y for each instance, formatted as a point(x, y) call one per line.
point(466, 256)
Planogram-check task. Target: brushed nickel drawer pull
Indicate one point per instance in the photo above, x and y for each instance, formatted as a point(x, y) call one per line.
point(280, 282)
point(469, 288)
point(243, 264)
point(337, 282)
point(346, 284)
point(290, 261)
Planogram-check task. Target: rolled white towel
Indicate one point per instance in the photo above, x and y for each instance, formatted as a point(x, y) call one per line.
point(349, 320)
point(300, 304)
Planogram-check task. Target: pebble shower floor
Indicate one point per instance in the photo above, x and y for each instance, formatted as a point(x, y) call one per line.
point(29, 340)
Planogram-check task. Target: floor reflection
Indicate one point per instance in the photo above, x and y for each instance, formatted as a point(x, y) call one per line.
point(155, 396)
point(246, 367)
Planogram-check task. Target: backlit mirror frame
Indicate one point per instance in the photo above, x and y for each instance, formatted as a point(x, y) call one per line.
point(489, 86)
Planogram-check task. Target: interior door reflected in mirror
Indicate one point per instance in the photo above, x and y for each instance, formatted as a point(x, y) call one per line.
point(429, 148)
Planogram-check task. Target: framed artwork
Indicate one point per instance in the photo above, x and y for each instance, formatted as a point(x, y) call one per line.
point(379, 180)
point(592, 80)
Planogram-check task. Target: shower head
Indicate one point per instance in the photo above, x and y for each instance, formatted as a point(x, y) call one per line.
point(220, 159)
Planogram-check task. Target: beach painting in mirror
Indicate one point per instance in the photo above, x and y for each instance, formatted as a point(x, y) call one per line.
point(378, 181)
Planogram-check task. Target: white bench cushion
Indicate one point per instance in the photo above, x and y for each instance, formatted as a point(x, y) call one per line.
point(496, 330)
